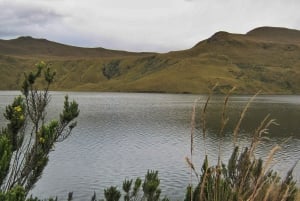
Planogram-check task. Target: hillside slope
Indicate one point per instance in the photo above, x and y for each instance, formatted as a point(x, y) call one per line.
point(28, 46)
point(265, 58)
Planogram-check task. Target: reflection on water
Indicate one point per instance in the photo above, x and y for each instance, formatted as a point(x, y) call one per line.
point(122, 135)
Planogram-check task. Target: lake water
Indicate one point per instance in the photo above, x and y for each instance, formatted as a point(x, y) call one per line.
point(122, 135)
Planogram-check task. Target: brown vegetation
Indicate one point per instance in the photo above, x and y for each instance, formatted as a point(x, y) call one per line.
point(244, 176)
point(265, 58)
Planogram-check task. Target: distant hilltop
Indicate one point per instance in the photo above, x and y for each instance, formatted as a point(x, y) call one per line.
point(277, 35)
point(265, 58)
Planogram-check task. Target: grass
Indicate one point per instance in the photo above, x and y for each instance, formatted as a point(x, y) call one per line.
point(244, 177)
point(249, 61)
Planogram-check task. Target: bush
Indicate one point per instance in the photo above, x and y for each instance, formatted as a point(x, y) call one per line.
point(23, 159)
point(244, 177)
point(27, 140)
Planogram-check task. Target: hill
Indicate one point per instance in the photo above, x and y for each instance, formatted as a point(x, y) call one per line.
point(265, 58)
point(28, 46)
point(277, 35)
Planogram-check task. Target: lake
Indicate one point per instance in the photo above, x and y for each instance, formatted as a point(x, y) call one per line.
point(122, 135)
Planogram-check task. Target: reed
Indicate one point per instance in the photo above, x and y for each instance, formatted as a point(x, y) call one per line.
point(244, 177)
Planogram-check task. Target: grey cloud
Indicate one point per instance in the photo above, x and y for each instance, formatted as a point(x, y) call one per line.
point(21, 19)
point(137, 25)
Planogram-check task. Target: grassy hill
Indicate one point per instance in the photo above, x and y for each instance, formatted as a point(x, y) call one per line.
point(265, 58)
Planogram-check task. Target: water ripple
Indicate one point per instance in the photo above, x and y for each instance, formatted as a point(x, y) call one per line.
point(123, 135)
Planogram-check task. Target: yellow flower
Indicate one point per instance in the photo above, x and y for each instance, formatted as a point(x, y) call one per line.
point(21, 117)
point(18, 108)
point(42, 140)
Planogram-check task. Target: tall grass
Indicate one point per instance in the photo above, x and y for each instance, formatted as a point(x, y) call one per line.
point(244, 177)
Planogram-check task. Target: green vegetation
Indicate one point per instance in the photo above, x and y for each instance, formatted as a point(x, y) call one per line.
point(244, 177)
point(265, 58)
point(111, 69)
point(150, 189)
point(27, 139)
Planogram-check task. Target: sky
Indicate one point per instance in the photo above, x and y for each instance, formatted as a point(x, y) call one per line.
point(141, 25)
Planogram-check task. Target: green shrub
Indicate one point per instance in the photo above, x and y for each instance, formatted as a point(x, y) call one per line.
point(244, 178)
point(23, 161)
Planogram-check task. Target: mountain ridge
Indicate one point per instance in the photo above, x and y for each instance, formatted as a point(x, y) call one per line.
point(276, 34)
point(27, 45)
point(265, 58)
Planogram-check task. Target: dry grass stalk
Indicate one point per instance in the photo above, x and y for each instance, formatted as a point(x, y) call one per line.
point(237, 128)
point(260, 183)
point(203, 185)
point(269, 190)
point(246, 178)
point(190, 161)
point(193, 127)
point(224, 121)
point(286, 193)
point(243, 180)
point(192, 167)
point(262, 129)
point(203, 113)
point(203, 122)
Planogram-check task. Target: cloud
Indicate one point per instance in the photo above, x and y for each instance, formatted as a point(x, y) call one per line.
point(137, 25)
point(19, 19)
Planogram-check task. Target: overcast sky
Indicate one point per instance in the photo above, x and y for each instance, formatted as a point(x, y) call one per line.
point(141, 25)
